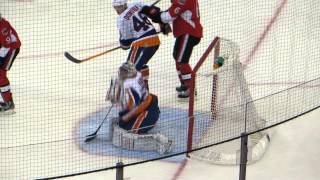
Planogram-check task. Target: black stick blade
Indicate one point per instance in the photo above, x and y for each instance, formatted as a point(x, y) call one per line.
point(71, 58)
point(90, 138)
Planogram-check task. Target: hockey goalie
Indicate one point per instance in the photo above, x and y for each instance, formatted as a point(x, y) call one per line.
point(139, 113)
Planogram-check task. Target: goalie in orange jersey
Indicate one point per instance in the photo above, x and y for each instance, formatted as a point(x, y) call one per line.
point(9, 49)
point(139, 112)
point(139, 108)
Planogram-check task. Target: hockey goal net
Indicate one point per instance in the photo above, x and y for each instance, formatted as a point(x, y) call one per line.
point(222, 108)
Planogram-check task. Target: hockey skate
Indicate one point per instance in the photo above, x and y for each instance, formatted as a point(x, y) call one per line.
point(7, 108)
point(183, 92)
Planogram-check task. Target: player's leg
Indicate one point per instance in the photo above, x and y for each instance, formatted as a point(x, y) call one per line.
point(140, 56)
point(182, 52)
point(6, 101)
point(144, 121)
point(145, 75)
point(153, 113)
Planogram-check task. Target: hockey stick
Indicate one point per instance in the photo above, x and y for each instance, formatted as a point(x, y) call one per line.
point(92, 136)
point(75, 60)
point(156, 2)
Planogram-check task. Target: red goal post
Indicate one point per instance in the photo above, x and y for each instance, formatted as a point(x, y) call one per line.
point(214, 44)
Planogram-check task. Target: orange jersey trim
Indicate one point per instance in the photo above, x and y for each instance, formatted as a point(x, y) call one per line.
point(139, 121)
point(133, 53)
point(139, 109)
point(148, 41)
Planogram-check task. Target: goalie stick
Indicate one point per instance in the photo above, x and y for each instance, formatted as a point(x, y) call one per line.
point(92, 136)
point(75, 60)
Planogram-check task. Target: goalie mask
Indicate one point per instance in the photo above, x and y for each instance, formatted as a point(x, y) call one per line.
point(127, 70)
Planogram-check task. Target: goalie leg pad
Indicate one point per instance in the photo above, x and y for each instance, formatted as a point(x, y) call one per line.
point(127, 140)
point(112, 123)
point(148, 142)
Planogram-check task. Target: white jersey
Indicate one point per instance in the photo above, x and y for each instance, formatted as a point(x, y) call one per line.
point(133, 25)
point(135, 91)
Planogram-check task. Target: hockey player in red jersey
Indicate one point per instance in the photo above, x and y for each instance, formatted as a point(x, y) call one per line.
point(9, 49)
point(187, 29)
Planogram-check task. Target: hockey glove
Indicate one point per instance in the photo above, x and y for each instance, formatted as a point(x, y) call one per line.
point(152, 12)
point(113, 94)
point(157, 18)
point(124, 47)
point(165, 28)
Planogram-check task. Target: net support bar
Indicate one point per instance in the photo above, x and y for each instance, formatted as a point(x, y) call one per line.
point(243, 156)
point(119, 173)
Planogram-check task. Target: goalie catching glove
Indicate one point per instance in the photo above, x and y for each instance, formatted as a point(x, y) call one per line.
point(114, 91)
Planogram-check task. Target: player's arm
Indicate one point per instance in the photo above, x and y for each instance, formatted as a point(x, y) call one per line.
point(3, 52)
point(15, 41)
point(126, 38)
point(154, 13)
point(125, 43)
point(135, 106)
point(4, 46)
point(9, 37)
point(177, 7)
point(137, 110)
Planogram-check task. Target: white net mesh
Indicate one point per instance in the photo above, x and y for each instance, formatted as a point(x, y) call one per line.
point(224, 97)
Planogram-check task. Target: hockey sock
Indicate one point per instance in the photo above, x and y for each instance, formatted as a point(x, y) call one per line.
point(185, 74)
point(145, 75)
point(5, 89)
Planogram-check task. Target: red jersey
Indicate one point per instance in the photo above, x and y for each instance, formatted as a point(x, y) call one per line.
point(187, 18)
point(8, 36)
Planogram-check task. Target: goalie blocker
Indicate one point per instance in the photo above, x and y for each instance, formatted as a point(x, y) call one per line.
point(139, 112)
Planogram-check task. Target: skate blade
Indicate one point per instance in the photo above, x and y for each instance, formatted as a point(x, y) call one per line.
point(8, 112)
point(185, 99)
